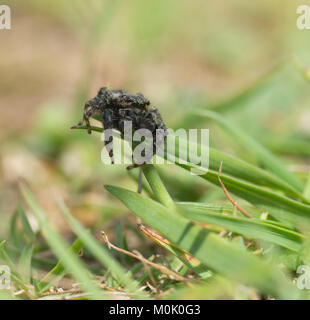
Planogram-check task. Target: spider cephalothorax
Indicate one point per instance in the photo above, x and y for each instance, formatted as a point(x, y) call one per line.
point(114, 107)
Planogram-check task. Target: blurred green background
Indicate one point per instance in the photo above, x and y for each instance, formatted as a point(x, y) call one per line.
point(180, 54)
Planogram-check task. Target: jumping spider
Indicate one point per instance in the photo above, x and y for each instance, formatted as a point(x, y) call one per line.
point(114, 107)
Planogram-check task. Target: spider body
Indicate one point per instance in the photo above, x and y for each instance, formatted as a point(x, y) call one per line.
point(114, 107)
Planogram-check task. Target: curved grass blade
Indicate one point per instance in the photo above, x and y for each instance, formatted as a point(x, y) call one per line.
point(288, 145)
point(101, 253)
point(257, 195)
point(158, 187)
point(307, 188)
point(5, 256)
point(24, 263)
point(58, 245)
point(26, 223)
point(250, 228)
point(235, 167)
point(241, 98)
point(182, 256)
point(264, 155)
point(163, 196)
point(58, 272)
point(15, 236)
point(246, 171)
point(215, 252)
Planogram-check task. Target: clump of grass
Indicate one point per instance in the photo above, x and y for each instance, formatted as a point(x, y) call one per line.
point(207, 246)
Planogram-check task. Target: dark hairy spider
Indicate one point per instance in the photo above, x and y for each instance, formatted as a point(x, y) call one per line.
point(114, 107)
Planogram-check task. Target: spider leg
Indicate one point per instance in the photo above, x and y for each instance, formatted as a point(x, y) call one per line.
point(86, 118)
point(88, 112)
point(107, 119)
point(109, 148)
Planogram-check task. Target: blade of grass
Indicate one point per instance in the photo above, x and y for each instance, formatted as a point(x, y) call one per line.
point(15, 236)
point(250, 228)
point(5, 256)
point(38, 262)
point(288, 145)
point(59, 247)
point(242, 170)
point(25, 223)
point(101, 253)
point(237, 100)
point(248, 191)
point(307, 188)
point(59, 271)
point(258, 195)
point(236, 168)
point(24, 263)
point(164, 197)
point(181, 255)
point(264, 155)
point(157, 186)
point(15, 276)
point(121, 243)
point(217, 253)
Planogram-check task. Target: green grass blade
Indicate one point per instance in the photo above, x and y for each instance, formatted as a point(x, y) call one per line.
point(237, 168)
point(288, 145)
point(257, 195)
point(307, 188)
point(24, 263)
point(25, 223)
point(239, 99)
point(215, 252)
point(242, 170)
point(59, 271)
point(248, 191)
point(4, 256)
point(250, 228)
point(15, 236)
point(264, 155)
point(59, 247)
point(158, 187)
point(101, 253)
